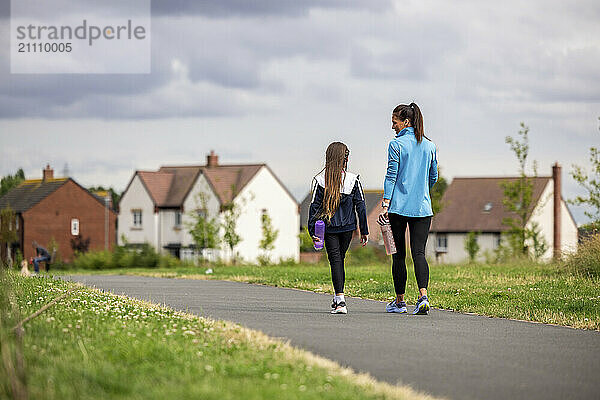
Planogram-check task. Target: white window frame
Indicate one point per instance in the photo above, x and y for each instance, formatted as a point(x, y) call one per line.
point(75, 227)
point(178, 218)
point(137, 222)
point(438, 238)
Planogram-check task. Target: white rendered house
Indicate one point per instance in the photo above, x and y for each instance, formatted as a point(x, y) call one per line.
point(156, 208)
point(475, 205)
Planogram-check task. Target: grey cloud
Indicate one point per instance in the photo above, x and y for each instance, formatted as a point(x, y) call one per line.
point(237, 8)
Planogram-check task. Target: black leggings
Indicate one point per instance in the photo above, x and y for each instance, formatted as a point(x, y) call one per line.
point(336, 245)
point(419, 230)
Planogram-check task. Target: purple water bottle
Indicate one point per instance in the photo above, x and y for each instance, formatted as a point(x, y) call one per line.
point(320, 233)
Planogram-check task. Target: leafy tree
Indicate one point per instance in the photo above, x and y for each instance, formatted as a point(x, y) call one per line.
point(540, 245)
point(8, 232)
point(203, 228)
point(231, 213)
point(591, 183)
point(437, 191)
point(518, 195)
point(114, 196)
point(268, 238)
point(10, 181)
point(471, 245)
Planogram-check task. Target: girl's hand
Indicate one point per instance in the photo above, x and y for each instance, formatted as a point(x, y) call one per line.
point(364, 239)
point(316, 239)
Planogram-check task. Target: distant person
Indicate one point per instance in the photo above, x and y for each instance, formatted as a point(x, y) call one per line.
point(41, 254)
point(337, 198)
point(411, 173)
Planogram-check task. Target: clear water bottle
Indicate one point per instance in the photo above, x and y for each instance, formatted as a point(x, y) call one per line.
point(320, 233)
point(388, 239)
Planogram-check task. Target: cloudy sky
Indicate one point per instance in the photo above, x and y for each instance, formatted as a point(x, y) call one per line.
point(275, 81)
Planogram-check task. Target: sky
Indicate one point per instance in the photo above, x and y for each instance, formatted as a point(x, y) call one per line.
point(276, 81)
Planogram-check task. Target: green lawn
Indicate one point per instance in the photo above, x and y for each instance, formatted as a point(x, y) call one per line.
point(526, 291)
point(95, 345)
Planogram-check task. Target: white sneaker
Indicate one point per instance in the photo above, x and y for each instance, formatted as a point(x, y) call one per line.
point(339, 308)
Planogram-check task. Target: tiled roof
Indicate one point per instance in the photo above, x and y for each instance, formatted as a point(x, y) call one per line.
point(29, 193)
point(229, 180)
point(170, 185)
point(158, 185)
point(183, 179)
point(464, 204)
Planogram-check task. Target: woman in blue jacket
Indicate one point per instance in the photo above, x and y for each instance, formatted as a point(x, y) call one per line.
point(337, 198)
point(411, 173)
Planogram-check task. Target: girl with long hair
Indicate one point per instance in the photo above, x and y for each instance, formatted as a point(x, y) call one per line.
point(337, 198)
point(411, 173)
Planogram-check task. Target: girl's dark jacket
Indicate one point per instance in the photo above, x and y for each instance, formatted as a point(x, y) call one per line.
point(352, 201)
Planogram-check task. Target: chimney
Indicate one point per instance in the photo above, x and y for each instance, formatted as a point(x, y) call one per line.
point(556, 177)
point(48, 173)
point(212, 160)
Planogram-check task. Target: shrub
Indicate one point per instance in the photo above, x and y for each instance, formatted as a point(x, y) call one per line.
point(586, 260)
point(124, 257)
point(360, 255)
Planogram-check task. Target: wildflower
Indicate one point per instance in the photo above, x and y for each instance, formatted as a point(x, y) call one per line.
point(208, 368)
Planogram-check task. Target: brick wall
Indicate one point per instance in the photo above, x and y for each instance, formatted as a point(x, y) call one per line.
point(51, 218)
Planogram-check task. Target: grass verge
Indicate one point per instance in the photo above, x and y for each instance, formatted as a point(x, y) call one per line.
point(93, 344)
point(522, 290)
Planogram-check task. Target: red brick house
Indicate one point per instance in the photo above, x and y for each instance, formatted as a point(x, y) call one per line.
point(57, 210)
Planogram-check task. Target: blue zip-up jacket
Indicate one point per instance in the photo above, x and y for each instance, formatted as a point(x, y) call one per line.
point(352, 201)
point(411, 173)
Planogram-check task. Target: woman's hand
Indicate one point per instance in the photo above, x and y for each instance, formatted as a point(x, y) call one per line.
point(364, 239)
point(383, 216)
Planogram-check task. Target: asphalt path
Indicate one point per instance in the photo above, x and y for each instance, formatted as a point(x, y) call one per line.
point(449, 354)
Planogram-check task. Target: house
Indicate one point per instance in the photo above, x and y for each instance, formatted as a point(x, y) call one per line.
point(476, 205)
point(158, 206)
point(52, 211)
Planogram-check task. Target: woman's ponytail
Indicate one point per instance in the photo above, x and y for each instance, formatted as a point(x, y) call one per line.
point(413, 114)
point(417, 122)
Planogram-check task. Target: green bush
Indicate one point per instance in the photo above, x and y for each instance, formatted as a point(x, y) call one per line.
point(587, 259)
point(360, 255)
point(124, 257)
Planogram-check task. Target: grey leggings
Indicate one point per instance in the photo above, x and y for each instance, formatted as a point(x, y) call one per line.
point(419, 230)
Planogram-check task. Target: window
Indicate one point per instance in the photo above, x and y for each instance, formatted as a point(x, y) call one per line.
point(137, 218)
point(487, 207)
point(17, 223)
point(498, 240)
point(177, 219)
point(442, 243)
point(201, 212)
point(75, 227)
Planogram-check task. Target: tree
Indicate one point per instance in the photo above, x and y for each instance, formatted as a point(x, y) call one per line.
point(114, 196)
point(518, 195)
point(437, 191)
point(268, 238)
point(203, 228)
point(471, 245)
point(10, 181)
point(8, 231)
point(231, 213)
point(591, 183)
point(534, 235)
